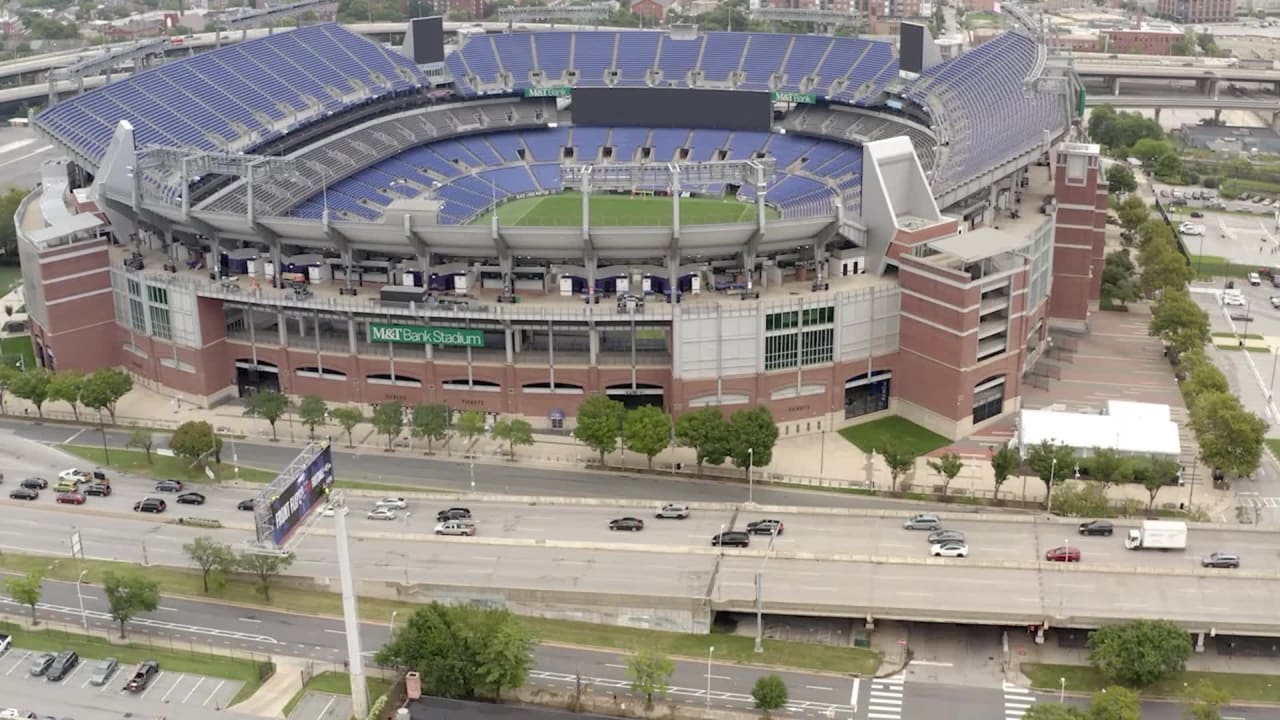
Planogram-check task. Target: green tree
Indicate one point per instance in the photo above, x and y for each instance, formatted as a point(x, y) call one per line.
point(1115, 703)
point(470, 426)
point(1156, 473)
point(1120, 178)
point(1140, 652)
point(430, 422)
point(312, 412)
point(129, 595)
point(66, 386)
point(1108, 468)
point(706, 431)
point(1169, 167)
point(1163, 267)
point(388, 419)
point(348, 417)
point(647, 430)
point(212, 557)
point(195, 439)
point(1179, 322)
point(599, 423)
point(264, 567)
point(1051, 462)
point(7, 376)
point(769, 693)
point(141, 438)
point(460, 650)
point(1150, 150)
point(1202, 378)
point(33, 386)
point(1004, 462)
point(1230, 437)
point(900, 460)
point(1118, 281)
point(269, 405)
point(9, 202)
point(1132, 212)
point(26, 590)
point(752, 433)
point(104, 388)
point(515, 432)
point(1054, 711)
point(1204, 701)
point(948, 466)
point(650, 672)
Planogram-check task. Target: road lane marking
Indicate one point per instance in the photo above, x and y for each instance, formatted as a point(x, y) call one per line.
point(931, 663)
point(193, 690)
point(173, 687)
point(153, 685)
point(149, 622)
point(335, 632)
point(168, 609)
point(853, 693)
point(819, 687)
point(718, 677)
point(725, 698)
point(250, 620)
point(325, 711)
point(15, 665)
point(212, 693)
point(28, 155)
point(615, 665)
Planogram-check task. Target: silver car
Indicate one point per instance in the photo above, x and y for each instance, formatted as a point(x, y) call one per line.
point(674, 511)
point(464, 528)
point(923, 521)
point(103, 671)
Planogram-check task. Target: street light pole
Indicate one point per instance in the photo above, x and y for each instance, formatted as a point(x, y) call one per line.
point(393, 623)
point(84, 618)
point(1053, 468)
point(751, 487)
point(710, 650)
point(1062, 690)
point(760, 593)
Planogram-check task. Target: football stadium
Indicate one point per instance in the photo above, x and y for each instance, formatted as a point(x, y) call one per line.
point(833, 227)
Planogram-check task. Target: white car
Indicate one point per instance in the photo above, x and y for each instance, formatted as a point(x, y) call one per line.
point(950, 548)
point(398, 503)
point(74, 475)
point(1255, 279)
point(330, 511)
point(381, 513)
point(456, 527)
point(1234, 299)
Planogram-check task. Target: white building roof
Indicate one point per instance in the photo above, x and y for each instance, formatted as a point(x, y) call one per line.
point(1138, 411)
point(1124, 433)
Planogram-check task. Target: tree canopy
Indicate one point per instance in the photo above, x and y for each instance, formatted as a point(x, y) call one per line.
point(599, 423)
point(1138, 653)
point(129, 595)
point(647, 430)
point(513, 431)
point(388, 419)
point(270, 405)
point(753, 434)
point(706, 431)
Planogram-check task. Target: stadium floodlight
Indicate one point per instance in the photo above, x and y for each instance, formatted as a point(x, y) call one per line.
point(817, 16)
point(572, 13)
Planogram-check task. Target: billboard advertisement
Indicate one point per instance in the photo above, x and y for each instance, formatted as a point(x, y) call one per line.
point(308, 490)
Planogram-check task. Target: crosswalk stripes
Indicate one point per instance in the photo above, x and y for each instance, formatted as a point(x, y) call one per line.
point(1254, 501)
point(1017, 701)
point(885, 699)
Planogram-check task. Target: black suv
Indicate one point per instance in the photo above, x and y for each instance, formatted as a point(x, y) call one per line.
point(765, 527)
point(151, 505)
point(169, 486)
point(453, 514)
point(1097, 527)
point(66, 661)
point(627, 523)
point(24, 493)
point(1221, 560)
point(35, 483)
point(732, 538)
point(97, 488)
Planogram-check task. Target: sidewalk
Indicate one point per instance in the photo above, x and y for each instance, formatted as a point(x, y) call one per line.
point(277, 691)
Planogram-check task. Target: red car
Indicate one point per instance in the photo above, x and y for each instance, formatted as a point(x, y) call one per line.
point(1063, 554)
point(74, 498)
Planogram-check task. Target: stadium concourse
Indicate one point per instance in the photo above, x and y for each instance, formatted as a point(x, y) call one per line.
point(832, 227)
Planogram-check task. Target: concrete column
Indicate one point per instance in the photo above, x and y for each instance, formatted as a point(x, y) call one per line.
point(1115, 86)
point(282, 328)
point(1157, 110)
point(1217, 115)
point(1199, 642)
point(277, 259)
point(353, 341)
point(593, 345)
point(1275, 121)
point(302, 327)
point(508, 337)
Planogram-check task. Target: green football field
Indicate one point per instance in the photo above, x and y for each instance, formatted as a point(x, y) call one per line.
point(565, 209)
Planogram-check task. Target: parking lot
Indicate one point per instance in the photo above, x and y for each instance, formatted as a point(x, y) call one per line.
point(322, 706)
point(167, 691)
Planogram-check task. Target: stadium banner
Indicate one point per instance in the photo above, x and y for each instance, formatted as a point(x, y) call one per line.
point(795, 97)
point(425, 335)
point(307, 491)
point(535, 92)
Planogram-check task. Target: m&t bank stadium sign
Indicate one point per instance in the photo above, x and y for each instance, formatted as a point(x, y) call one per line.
point(424, 335)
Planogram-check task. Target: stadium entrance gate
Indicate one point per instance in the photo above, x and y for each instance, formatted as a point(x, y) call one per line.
point(636, 395)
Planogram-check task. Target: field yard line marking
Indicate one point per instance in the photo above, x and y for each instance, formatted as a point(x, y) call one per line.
point(212, 693)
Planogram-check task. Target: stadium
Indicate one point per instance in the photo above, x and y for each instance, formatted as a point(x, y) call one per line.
point(833, 227)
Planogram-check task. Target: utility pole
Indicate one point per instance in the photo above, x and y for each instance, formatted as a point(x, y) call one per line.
point(350, 617)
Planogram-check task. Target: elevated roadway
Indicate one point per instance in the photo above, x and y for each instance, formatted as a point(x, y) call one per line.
point(1110, 69)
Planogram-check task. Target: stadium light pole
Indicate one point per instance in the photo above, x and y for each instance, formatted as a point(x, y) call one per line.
point(350, 617)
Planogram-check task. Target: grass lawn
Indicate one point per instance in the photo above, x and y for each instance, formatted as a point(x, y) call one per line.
point(10, 275)
point(730, 648)
point(1082, 678)
point(91, 647)
point(336, 683)
point(163, 467)
point(876, 434)
point(979, 18)
point(1214, 266)
point(1274, 444)
point(565, 209)
point(18, 352)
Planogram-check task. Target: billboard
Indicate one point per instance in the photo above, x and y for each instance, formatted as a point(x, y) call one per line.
point(307, 490)
point(673, 107)
point(425, 335)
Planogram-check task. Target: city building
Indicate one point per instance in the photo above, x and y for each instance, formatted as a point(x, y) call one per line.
point(1197, 11)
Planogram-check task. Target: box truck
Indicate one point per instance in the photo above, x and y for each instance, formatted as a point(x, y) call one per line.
point(1158, 535)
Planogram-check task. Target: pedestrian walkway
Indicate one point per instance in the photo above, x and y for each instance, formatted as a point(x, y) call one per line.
point(1017, 701)
point(885, 699)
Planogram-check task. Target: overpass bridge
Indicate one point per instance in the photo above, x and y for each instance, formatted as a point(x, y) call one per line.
point(1189, 101)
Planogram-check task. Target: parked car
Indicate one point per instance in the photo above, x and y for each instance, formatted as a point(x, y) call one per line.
point(673, 511)
point(24, 493)
point(97, 488)
point(65, 486)
point(40, 664)
point(455, 513)
point(765, 527)
point(381, 513)
point(74, 475)
point(951, 548)
point(143, 676)
point(465, 528)
point(1275, 301)
point(169, 486)
point(942, 536)
point(331, 510)
point(103, 671)
point(1255, 279)
point(397, 503)
point(1097, 527)
point(731, 538)
point(150, 505)
point(1234, 300)
point(71, 498)
point(1197, 214)
point(35, 483)
point(1063, 554)
point(1220, 560)
point(923, 521)
point(246, 504)
point(627, 523)
point(191, 498)
point(62, 665)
